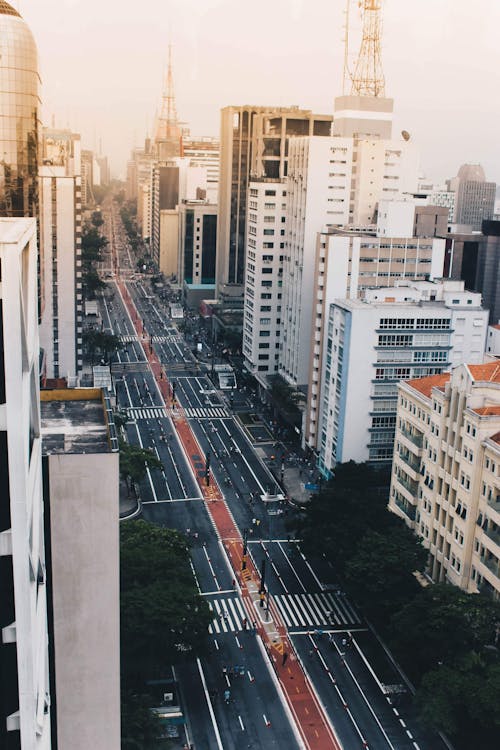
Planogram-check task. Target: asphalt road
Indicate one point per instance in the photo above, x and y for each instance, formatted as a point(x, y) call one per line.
point(328, 634)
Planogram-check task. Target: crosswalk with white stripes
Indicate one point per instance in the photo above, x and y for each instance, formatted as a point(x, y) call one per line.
point(315, 610)
point(172, 338)
point(148, 412)
point(228, 616)
point(128, 338)
point(214, 412)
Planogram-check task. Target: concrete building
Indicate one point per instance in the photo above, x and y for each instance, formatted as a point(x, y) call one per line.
point(392, 334)
point(349, 264)
point(253, 144)
point(493, 340)
point(266, 216)
point(204, 152)
point(60, 239)
point(24, 684)
point(475, 200)
point(197, 244)
point(445, 473)
point(81, 489)
point(20, 108)
point(320, 193)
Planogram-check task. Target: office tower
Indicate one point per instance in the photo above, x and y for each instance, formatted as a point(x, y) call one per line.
point(346, 265)
point(19, 106)
point(81, 492)
point(445, 473)
point(392, 334)
point(87, 164)
point(24, 681)
point(60, 238)
point(265, 245)
point(254, 144)
point(197, 246)
point(475, 197)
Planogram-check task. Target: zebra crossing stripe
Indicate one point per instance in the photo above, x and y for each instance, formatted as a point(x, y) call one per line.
point(316, 609)
point(233, 610)
point(228, 615)
point(292, 606)
point(308, 606)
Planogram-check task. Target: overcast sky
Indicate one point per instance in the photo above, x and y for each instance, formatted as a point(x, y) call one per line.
point(103, 62)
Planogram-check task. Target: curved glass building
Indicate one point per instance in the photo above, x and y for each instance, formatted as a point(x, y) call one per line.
point(19, 115)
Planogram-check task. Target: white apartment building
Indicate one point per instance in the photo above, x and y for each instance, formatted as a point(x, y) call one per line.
point(335, 181)
point(371, 344)
point(265, 249)
point(204, 151)
point(446, 472)
point(346, 265)
point(25, 706)
point(60, 239)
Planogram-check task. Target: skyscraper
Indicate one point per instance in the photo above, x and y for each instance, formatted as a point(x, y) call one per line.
point(254, 143)
point(19, 124)
point(475, 197)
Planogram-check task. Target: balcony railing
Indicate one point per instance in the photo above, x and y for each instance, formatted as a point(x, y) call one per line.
point(411, 486)
point(415, 439)
point(410, 461)
point(407, 509)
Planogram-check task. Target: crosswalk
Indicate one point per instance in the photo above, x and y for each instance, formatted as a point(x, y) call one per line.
point(215, 412)
point(148, 412)
point(172, 338)
point(315, 610)
point(128, 338)
point(228, 616)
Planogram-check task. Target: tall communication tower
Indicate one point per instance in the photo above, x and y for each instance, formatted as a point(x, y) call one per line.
point(167, 123)
point(368, 77)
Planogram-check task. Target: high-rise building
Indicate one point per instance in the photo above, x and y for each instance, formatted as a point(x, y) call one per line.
point(347, 265)
point(81, 493)
point(60, 238)
point(392, 334)
point(253, 144)
point(265, 245)
point(197, 244)
point(24, 675)
point(20, 111)
point(445, 473)
point(475, 197)
point(205, 152)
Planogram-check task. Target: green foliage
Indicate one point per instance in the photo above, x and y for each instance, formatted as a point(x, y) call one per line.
point(462, 700)
point(134, 462)
point(92, 283)
point(380, 572)
point(97, 219)
point(101, 342)
point(139, 725)
point(442, 623)
point(163, 618)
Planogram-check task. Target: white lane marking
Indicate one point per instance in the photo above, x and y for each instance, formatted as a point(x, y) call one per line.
point(292, 568)
point(210, 708)
point(241, 723)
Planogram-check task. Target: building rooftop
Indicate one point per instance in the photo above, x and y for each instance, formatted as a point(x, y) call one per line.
point(75, 420)
point(488, 411)
point(425, 385)
point(489, 372)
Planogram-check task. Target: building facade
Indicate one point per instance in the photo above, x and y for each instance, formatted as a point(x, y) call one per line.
point(197, 243)
point(81, 492)
point(445, 474)
point(20, 108)
point(348, 265)
point(253, 143)
point(265, 245)
point(60, 238)
point(392, 334)
point(24, 684)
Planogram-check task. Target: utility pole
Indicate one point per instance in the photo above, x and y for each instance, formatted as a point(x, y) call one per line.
point(245, 549)
point(262, 589)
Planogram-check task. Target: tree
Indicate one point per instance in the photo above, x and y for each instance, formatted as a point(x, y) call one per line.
point(441, 623)
point(135, 461)
point(140, 727)
point(92, 283)
point(100, 341)
point(462, 699)
point(97, 219)
point(379, 573)
point(163, 617)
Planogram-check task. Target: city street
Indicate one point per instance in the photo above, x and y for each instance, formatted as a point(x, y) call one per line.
point(307, 629)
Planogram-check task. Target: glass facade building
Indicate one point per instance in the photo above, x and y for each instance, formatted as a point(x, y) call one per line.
point(19, 115)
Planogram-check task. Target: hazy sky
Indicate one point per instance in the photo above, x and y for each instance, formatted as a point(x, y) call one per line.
point(103, 62)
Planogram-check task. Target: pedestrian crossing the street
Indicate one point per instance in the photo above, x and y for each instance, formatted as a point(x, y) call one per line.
point(316, 610)
point(228, 616)
point(214, 412)
point(148, 412)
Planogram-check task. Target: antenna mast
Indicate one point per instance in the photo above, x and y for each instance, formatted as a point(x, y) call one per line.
point(346, 75)
point(368, 78)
